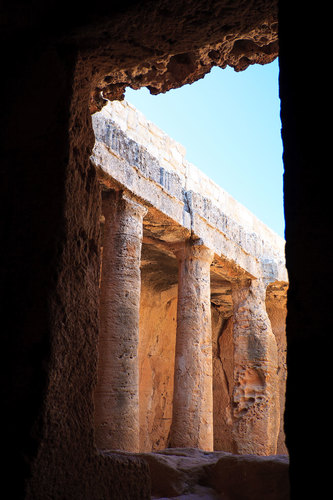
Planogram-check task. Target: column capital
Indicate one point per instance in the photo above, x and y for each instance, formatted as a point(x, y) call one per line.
point(255, 287)
point(133, 205)
point(124, 201)
point(193, 249)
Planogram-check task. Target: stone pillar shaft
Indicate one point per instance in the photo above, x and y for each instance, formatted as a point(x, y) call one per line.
point(192, 422)
point(255, 398)
point(117, 392)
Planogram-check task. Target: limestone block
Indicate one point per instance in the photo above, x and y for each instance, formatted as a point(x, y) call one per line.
point(155, 131)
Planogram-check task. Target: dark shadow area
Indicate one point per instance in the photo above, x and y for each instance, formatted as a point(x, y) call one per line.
point(57, 59)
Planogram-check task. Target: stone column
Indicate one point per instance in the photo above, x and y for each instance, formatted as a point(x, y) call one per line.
point(117, 391)
point(255, 398)
point(192, 421)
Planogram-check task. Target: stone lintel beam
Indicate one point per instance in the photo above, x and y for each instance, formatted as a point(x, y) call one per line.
point(255, 399)
point(117, 391)
point(192, 422)
point(133, 153)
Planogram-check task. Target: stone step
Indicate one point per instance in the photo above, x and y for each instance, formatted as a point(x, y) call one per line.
point(193, 474)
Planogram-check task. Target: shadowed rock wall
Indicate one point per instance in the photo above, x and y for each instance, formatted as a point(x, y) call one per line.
point(46, 143)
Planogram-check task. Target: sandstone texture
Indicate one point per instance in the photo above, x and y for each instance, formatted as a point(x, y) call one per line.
point(192, 420)
point(212, 367)
point(256, 405)
point(158, 315)
point(66, 57)
point(276, 307)
point(117, 391)
point(226, 38)
point(58, 59)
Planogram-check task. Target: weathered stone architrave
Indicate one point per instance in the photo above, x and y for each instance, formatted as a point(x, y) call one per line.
point(117, 392)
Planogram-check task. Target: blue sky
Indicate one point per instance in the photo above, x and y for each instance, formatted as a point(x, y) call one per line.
point(230, 125)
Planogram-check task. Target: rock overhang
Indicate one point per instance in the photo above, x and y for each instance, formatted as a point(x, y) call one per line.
point(161, 52)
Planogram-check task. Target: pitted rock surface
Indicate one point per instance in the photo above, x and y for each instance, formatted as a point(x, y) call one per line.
point(161, 53)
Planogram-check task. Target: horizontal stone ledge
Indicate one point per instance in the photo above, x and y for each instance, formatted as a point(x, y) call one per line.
point(208, 213)
point(113, 168)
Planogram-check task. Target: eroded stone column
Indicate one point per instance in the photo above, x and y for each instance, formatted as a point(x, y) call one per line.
point(117, 392)
point(192, 421)
point(255, 405)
